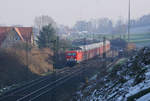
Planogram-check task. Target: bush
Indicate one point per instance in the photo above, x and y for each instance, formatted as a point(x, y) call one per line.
point(14, 68)
point(23, 46)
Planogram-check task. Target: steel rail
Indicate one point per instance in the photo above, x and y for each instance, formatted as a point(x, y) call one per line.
point(49, 85)
point(57, 84)
point(28, 85)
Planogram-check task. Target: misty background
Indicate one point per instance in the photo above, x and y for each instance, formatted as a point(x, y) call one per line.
point(77, 16)
point(67, 12)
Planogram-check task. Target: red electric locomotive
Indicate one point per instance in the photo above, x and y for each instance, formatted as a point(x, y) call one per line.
point(86, 52)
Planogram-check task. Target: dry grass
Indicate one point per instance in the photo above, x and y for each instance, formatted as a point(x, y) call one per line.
point(40, 61)
point(13, 65)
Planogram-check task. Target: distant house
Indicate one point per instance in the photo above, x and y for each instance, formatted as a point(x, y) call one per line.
point(12, 35)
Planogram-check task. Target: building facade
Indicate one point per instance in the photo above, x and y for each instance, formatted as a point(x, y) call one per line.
point(12, 35)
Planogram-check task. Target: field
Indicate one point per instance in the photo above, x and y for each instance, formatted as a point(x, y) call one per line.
point(140, 40)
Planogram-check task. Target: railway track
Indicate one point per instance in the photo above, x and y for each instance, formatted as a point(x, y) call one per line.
point(31, 86)
point(35, 89)
point(38, 87)
point(36, 94)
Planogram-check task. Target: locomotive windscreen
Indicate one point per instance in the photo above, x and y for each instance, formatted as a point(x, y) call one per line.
point(71, 54)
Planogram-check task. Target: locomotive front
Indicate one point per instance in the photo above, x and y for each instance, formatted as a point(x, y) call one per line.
point(71, 57)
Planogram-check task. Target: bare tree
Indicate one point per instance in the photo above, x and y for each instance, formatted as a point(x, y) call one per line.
point(43, 20)
point(120, 27)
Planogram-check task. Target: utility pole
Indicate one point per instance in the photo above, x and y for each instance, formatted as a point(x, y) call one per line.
point(57, 51)
point(27, 63)
point(124, 37)
point(99, 38)
point(112, 37)
point(27, 54)
point(104, 47)
point(54, 54)
point(104, 51)
point(120, 36)
point(129, 23)
point(93, 37)
point(53, 96)
point(85, 56)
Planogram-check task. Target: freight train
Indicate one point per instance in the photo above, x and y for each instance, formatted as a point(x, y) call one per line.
point(86, 52)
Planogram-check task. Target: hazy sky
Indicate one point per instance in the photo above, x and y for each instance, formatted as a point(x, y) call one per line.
point(68, 11)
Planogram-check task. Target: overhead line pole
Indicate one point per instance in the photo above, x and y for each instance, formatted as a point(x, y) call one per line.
point(104, 51)
point(85, 53)
point(129, 23)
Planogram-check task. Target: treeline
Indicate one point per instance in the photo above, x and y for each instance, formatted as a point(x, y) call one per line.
point(106, 25)
point(142, 21)
point(97, 26)
point(47, 33)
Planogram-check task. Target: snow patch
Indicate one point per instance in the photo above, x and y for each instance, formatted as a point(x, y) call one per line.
point(144, 98)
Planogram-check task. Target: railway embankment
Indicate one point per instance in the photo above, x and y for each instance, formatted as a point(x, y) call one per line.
point(127, 81)
point(18, 66)
point(66, 92)
point(66, 88)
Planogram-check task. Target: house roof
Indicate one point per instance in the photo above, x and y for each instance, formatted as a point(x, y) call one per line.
point(5, 29)
point(25, 33)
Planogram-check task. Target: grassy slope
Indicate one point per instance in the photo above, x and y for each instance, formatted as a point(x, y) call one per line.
point(13, 68)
